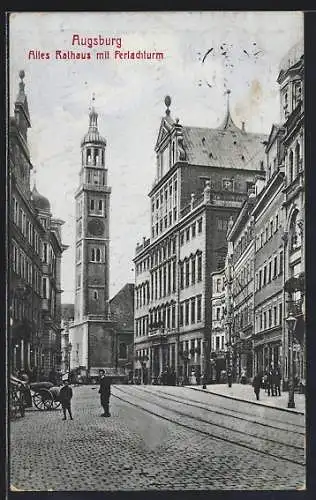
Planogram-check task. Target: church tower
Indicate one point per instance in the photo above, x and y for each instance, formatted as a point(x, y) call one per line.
point(91, 334)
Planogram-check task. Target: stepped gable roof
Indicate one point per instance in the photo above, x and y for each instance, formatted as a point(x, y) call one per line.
point(39, 201)
point(227, 146)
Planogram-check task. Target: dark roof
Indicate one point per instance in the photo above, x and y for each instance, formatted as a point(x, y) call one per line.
point(39, 201)
point(227, 146)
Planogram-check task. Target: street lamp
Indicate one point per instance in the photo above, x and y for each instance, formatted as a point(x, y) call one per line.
point(291, 322)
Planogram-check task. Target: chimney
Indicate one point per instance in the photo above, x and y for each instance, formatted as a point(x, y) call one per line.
point(243, 126)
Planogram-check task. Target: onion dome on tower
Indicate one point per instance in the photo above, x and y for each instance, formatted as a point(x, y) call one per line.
point(39, 201)
point(93, 135)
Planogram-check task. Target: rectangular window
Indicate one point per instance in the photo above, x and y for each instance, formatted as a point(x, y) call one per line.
point(173, 316)
point(264, 275)
point(280, 314)
point(188, 234)
point(261, 322)
point(193, 271)
point(187, 273)
point(200, 225)
point(218, 313)
point(181, 275)
point(260, 279)
point(264, 320)
point(217, 339)
point(270, 272)
point(44, 288)
point(275, 266)
point(193, 310)
point(199, 268)
point(193, 228)
point(270, 318)
point(275, 314)
point(276, 222)
point(181, 314)
point(182, 239)
point(91, 204)
point(281, 263)
point(199, 308)
point(187, 312)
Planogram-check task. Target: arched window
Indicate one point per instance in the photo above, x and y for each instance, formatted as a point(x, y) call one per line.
point(88, 155)
point(297, 159)
point(93, 254)
point(291, 164)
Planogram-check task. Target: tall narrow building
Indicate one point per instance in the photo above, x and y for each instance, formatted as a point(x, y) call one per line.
point(91, 333)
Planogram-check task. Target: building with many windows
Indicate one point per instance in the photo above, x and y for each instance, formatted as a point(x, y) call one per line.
point(291, 81)
point(35, 251)
point(203, 176)
point(241, 263)
point(219, 331)
point(266, 247)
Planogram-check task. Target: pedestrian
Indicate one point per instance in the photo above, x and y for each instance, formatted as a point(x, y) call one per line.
point(105, 393)
point(256, 383)
point(65, 395)
point(271, 380)
point(277, 381)
point(229, 377)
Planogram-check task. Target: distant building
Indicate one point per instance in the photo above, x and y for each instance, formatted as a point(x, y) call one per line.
point(241, 261)
point(35, 251)
point(122, 315)
point(203, 177)
point(219, 338)
point(91, 334)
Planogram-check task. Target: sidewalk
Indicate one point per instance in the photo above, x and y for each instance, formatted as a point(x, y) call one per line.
point(241, 392)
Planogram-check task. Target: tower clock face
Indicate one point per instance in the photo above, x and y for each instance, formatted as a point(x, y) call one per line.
point(96, 227)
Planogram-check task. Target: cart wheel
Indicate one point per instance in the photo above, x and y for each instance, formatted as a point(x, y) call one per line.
point(43, 399)
point(56, 404)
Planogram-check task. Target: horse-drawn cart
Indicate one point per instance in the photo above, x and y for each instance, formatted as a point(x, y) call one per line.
point(45, 395)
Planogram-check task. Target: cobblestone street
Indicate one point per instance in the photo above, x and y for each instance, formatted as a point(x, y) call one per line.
point(135, 450)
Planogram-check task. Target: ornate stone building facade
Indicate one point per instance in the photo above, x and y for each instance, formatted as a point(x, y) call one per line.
point(35, 251)
point(202, 179)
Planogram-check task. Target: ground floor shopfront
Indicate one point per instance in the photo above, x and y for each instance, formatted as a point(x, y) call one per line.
point(267, 350)
point(183, 354)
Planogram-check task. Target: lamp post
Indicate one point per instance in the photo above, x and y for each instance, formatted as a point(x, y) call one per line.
point(291, 322)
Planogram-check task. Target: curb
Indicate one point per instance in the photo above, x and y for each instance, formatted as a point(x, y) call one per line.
point(288, 410)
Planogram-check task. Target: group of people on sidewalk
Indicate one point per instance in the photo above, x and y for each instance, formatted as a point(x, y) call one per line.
point(270, 380)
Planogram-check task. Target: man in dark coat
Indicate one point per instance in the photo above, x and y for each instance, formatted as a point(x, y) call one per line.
point(105, 393)
point(256, 383)
point(65, 395)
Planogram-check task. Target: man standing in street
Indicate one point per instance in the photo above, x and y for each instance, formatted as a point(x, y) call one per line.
point(105, 393)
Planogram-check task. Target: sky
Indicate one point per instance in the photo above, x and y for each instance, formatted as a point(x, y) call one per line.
point(247, 50)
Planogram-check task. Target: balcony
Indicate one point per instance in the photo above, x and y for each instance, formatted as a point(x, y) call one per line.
point(295, 307)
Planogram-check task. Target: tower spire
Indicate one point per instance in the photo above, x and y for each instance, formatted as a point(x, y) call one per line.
point(93, 116)
point(228, 122)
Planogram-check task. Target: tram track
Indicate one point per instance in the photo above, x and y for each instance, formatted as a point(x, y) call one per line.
point(233, 413)
point(262, 445)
